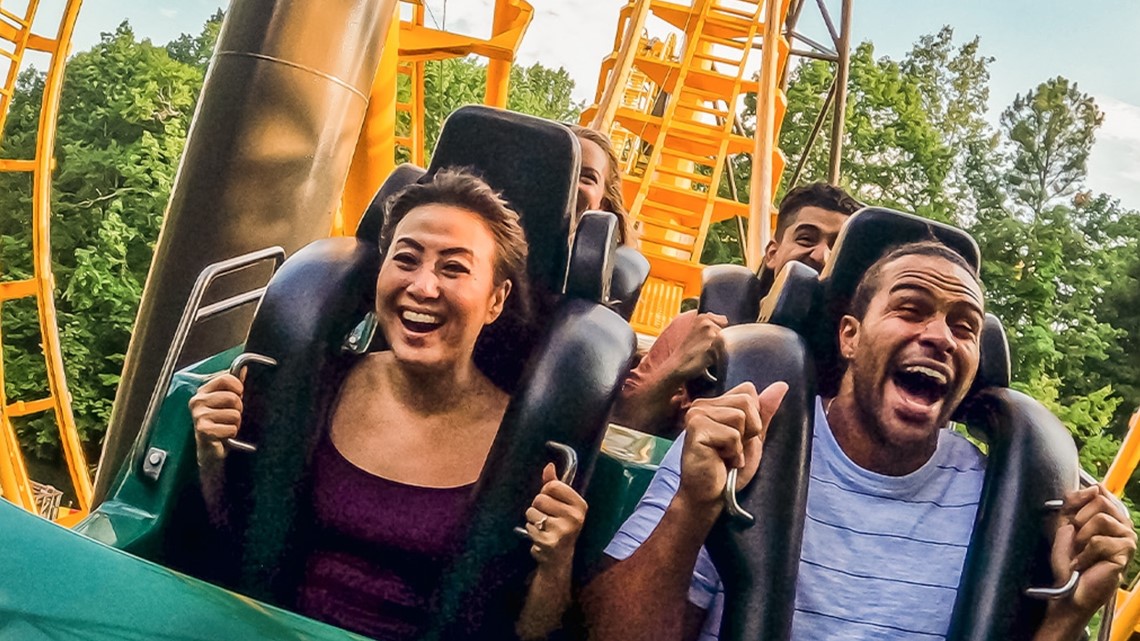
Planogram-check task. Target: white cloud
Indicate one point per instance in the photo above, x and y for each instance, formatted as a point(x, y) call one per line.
point(1114, 166)
point(168, 13)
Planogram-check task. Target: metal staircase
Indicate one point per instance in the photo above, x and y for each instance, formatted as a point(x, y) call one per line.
point(674, 190)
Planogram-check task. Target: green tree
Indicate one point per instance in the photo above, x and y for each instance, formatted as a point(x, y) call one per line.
point(1048, 261)
point(906, 124)
point(453, 83)
point(893, 154)
point(196, 50)
point(542, 91)
point(953, 83)
point(123, 120)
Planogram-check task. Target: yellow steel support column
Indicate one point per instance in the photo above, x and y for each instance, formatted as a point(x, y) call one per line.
point(374, 157)
point(623, 66)
point(760, 202)
point(499, 71)
point(1126, 459)
point(413, 44)
point(1119, 472)
point(14, 483)
point(1126, 617)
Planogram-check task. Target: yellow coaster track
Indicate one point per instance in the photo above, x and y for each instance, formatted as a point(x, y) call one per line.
point(16, 39)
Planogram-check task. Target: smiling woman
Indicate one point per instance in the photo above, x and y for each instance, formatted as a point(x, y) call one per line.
point(599, 181)
point(412, 426)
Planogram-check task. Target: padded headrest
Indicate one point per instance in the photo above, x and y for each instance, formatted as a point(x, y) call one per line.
point(994, 369)
point(533, 163)
point(799, 296)
point(368, 228)
point(868, 234)
point(732, 291)
point(591, 265)
point(631, 270)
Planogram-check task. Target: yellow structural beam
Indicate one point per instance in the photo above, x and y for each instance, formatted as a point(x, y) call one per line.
point(512, 17)
point(1127, 615)
point(373, 159)
point(410, 43)
point(767, 130)
point(1127, 458)
point(619, 76)
point(14, 482)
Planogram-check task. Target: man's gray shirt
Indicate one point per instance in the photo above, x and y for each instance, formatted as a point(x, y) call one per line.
point(882, 555)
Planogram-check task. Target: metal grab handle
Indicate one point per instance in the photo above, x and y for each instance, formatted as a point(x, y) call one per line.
point(1052, 594)
point(731, 506)
point(195, 312)
point(569, 460)
point(243, 359)
point(1070, 586)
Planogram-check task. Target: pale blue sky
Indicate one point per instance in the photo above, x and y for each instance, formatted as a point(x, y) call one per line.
point(1095, 43)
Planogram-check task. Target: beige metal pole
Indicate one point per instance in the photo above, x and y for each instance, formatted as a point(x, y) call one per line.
point(760, 198)
point(844, 51)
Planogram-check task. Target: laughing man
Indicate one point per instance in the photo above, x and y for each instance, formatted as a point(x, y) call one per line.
point(892, 497)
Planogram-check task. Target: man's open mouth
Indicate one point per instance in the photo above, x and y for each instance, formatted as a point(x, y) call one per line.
point(921, 385)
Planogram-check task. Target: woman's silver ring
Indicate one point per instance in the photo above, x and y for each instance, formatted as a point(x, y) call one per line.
point(540, 524)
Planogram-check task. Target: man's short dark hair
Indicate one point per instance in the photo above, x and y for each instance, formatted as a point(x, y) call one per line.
point(819, 194)
point(870, 282)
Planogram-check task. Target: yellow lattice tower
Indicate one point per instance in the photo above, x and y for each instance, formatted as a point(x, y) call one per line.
point(688, 143)
point(16, 39)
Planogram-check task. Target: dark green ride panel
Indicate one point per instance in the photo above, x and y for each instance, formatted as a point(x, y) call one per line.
point(628, 461)
point(153, 517)
point(56, 585)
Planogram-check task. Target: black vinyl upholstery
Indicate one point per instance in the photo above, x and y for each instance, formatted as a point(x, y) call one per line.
point(1031, 457)
point(533, 164)
point(561, 389)
point(309, 307)
point(368, 229)
point(592, 258)
point(574, 378)
point(631, 269)
point(759, 564)
point(732, 291)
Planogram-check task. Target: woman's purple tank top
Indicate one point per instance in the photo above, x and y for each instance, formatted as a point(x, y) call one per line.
point(379, 547)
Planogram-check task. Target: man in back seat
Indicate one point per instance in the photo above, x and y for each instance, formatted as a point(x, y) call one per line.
point(653, 399)
point(893, 493)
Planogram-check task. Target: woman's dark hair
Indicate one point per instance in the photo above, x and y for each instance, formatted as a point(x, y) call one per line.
point(458, 188)
point(511, 333)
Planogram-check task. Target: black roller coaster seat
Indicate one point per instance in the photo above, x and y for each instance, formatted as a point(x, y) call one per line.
point(563, 376)
point(368, 229)
point(1031, 456)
